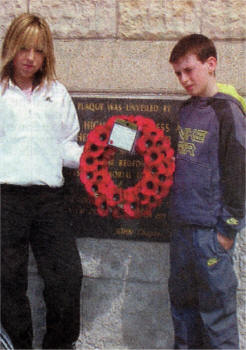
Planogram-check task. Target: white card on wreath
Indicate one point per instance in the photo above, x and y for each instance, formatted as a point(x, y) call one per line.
point(123, 135)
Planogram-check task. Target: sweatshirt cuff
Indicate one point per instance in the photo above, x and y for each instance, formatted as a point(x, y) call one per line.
point(228, 228)
point(72, 154)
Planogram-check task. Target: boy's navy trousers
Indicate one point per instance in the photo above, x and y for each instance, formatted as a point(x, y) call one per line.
point(202, 288)
point(34, 215)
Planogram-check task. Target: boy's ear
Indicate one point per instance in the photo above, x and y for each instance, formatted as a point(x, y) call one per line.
point(212, 63)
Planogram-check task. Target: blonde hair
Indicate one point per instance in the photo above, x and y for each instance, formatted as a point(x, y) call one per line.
point(28, 30)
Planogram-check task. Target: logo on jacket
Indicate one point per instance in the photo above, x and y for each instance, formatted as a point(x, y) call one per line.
point(188, 138)
point(232, 221)
point(212, 261)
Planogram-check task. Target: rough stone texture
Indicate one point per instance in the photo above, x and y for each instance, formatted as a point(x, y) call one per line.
point(242, 316)
point(125, 260)
point(137, 66)
point(224, 19)
point(240, 267)
point(9, 9)
point(158, 19)
point(113, 66)
point(129, 315)
point(135, 19)
point(78, 19)
point(231, 63)
point(124, 297)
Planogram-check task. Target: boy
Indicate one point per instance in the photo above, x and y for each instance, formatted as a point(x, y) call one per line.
point(207, 202)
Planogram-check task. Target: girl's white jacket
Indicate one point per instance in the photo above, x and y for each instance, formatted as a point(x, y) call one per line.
point(38, 135)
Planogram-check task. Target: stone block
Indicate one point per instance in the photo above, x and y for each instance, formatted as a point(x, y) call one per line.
point(125, 315)
point(9, 10)
point(140, 67)
point(232, 63)
point(241, 301)
point(157, 19)
point(126, 67)
point(240, 260)
point(224, 19)
point(115, 312)
point(78, 19)
point(125, 260)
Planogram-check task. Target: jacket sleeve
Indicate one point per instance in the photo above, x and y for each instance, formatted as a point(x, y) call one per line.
point(232, 123)
point(71, 150)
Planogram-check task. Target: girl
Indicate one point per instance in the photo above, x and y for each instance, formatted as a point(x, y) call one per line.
point(38, 132)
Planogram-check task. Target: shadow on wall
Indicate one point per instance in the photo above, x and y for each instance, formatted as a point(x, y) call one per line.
point(131, 310)
point(124, 302)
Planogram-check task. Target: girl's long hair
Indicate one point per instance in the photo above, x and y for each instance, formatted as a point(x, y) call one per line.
point(28, 31)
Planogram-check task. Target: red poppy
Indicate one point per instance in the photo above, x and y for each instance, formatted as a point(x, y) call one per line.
point(86, 176)
point(92, 188)
point(170, 166)
point(143, 199)
point(114, 196)
point(161, 141)
point(111, 121)
point(99, 136)
point(102, 187)
point(87, 162)
point(129, 194)
point(161, 193)
point(94, 149)
point(153, 157)
point(101, 204)
point(144, 143)
point(148, 184)
point(144, 122)
point(156, 134)
point(132, 210)
point(109, 153)
point(102, 177)
point(118, 213)
point(168, 153)
point(161, 173)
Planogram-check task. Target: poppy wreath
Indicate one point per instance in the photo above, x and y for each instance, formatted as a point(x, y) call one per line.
point(157, 176)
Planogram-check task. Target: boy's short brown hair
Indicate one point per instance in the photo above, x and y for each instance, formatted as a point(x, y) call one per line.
point(196, 44)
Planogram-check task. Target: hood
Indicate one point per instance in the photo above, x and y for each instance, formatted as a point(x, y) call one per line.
point(205, 101)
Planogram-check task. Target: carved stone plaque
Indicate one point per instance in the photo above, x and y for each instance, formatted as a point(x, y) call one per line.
point(125, 170)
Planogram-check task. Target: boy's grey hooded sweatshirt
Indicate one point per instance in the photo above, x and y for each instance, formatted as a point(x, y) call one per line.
point(209, 181)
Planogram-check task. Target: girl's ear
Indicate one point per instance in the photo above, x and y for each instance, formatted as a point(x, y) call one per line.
point(212, 63)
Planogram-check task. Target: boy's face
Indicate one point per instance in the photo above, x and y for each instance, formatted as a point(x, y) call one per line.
point(197, 78)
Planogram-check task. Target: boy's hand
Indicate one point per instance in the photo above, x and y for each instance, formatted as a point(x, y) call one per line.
point(226, 243)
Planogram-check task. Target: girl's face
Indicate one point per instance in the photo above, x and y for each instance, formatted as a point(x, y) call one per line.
point(26, 63)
